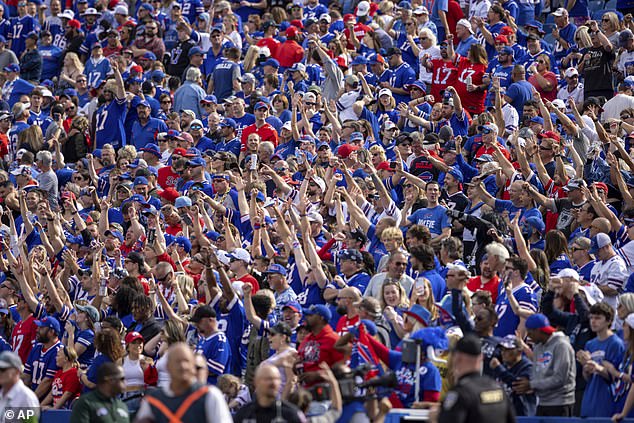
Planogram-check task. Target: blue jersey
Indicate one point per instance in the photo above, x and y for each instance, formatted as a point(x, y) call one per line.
point(358, 280)
point(438, 285)
point(142, 135)
point(314, 12)
point(495, 31)
point(51, 61)
point(217, 353)
point(37, 118)
point(435, 219)
point(507, 205)
point(597, 400)
point(191, 9)
point(109, 126)
point(568, 35)
point(97, 70)
point(53, 24)
point(409, 56)
point(87, 339)
point(243, 122)
point(21, 28)
point(12, 91)
point(236, 327)
point(399, 77)
point(5, 28)
point(223, 75)
point(13, 136)
point(428, 374)
point(508, 321)
point(504, 73)
point(519, 93)
point(41, 363)
point(561, 262)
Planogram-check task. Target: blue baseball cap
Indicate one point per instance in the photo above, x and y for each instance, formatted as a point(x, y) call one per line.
point(416, 84)
point(320, 310)
point(539, 322)
point(137, 197)
point(196, 161)
point(260, 105)
point(49, 322)
point(323, 144)
point(271, 62)
point(356, 136)
point(182, 202)
point(536, 223)
point(276, 269)
point(2, 39)
point(13, 67)
point(359, 60)
point(599, 241)
point(195, 50)
point(537, 119)
point(143, 103)
point(140, 180)
point(352, 255)
point(148, 55)
point(115, 234)
point(535, 24)
point(211, 99)
point(507, 50)
point(148, 7)
point(213, 235)
point(157, 75)
point(293, 305)
point(419, 313)
point(456, 173)
point(183, 242)
point(152, 148)
point(228, 123)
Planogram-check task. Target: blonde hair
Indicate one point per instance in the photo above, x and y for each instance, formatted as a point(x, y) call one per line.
point(582, 37)
point(392, 233)
point(404, 303)
point(428, 302)
point(74, 58)
point(32, 137)
point(378, 150)
point(186, 284)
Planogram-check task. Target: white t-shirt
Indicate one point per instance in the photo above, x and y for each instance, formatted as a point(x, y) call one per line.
point(611, 273)
point(434, 53)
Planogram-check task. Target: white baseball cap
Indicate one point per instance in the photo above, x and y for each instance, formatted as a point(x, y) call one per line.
point(570, 72)
point(466, 24)
point(363, 8)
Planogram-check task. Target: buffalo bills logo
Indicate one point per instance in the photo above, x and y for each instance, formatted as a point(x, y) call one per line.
point(545, 359)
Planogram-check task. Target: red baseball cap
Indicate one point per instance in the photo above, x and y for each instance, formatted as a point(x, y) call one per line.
point(550, 134)
point(169, 194)
point(349, 17)
point(507, 30)
point(385, 165)
point(74, 23)
point(601, 185)
point(292, 31)
point(501, 39)
point(133, 336)
point(344, 150)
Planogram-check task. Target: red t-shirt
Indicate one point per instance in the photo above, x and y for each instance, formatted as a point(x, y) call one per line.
point(174, 230)
point(289, 53)
point(475, 284)
point(473, 101)
point(488, 150)
point(454, 14)
point(444, 74)
point(250, 280)
point(271, 43)
point(23, 336)
point(266, 133)
point(315, 349)
point(167, 177)
point(360, 30)
point(344, 324)
point(65, 381)
point(546, 95)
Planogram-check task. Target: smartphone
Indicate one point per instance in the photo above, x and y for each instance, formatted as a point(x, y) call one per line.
point(151, 236)
point(187, 220)
point(392, 165)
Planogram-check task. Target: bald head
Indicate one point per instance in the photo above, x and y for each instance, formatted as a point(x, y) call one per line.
point(600, 224)
point(267, 383)
point(181, 363)
point(352, 292)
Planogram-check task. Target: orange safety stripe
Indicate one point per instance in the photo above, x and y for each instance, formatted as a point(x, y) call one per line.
point(176, 417)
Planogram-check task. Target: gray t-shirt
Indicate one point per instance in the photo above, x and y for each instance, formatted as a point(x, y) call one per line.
point(48, 182)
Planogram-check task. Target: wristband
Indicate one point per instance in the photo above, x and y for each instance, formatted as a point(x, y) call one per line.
point(256, 227)
point(295, 244)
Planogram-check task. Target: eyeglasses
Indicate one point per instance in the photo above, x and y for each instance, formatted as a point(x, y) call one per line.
point(605, 20)
point(348, 127)
point(408, 186)
point(509, 268)
point(410, 23)
point(541, 147)
point(541, 62)
point(196, 127)
point(166, 102)
point(402, 263)
point(443, 47)
point(626, 117)
point(310, 104)
point(424, 39)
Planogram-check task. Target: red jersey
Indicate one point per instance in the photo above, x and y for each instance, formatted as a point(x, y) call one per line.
point(65, 381)
point(444, 74)
point(23, 336)
point(271, 43)
point(344, 324)
point(266, 133)
point(360, 30)
point(317, 348)
point(250, 280)
point(167, 177)
point(475, 284)
point(473, 101)
point(289, 53)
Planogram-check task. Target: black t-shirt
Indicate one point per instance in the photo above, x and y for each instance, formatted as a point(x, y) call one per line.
point(252, 412)
point(564, 207)
point(597, 70)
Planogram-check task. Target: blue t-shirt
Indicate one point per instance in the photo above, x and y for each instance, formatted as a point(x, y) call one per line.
point(435, 219)
point(41, 364)
point(51, 61)
point(519, 92)
point(142, 135)
point(597, 400)
point(507, 320)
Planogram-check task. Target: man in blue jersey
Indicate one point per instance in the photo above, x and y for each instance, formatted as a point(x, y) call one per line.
point(145, 129)
point(51, 56)
point(21, 114)
point(564, 33)
point(213, 343)
point(23, 25)
point(40, 366)
point(110, 117)
point(401, 75)
point(515, 271)
point(14, 86)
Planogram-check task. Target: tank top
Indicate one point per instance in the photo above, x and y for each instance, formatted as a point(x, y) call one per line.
point(133, 372)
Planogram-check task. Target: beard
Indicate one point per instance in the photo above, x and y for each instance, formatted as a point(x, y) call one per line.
point(342, 310)
point(43, 338)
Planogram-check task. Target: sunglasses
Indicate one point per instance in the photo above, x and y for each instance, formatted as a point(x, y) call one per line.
point(625, 116)
point(166, 102)
point(545, 148)
point(196, 127)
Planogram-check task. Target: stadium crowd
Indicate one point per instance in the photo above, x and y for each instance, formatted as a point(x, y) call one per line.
point(303, 210)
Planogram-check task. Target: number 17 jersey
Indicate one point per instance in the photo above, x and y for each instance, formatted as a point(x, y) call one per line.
point(444, 74)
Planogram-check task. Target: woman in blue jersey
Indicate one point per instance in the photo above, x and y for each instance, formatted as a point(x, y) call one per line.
point(394, 303)
point(557, 251)
point(623, 375)
point(82, 338)
point(386, 108)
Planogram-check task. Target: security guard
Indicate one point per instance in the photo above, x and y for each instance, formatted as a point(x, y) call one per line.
point(474, 398)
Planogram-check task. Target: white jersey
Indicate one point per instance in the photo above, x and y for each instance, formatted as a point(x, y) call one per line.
point(611, 273)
